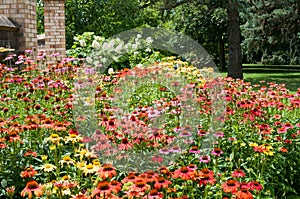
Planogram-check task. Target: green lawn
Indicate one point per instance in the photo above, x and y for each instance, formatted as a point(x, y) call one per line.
point(291, 78)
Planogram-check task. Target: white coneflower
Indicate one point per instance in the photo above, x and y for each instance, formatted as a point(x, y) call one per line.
point(110, 71)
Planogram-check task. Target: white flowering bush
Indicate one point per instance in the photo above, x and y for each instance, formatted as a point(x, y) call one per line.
point(139, 50)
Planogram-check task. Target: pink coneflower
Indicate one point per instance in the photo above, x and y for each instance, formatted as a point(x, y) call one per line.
point(157, 158)
point(111, 126)
point(154, 194)
point(185, 133)
point(219, 134)
point(202, 132)
point(217, 152)
point(107, 171)
point(287, 125)
point(194, 150)
point(125, 144)
point(175, 149)
point(281, 130)
point(204, 159)
point(192, 167)
point(238, 173)
point(164, 150)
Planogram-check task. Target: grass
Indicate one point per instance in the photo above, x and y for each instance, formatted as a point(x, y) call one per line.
point(289, 77)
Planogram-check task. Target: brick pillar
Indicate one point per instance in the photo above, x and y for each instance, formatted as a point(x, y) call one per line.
point(24, 13)
point(55, 39)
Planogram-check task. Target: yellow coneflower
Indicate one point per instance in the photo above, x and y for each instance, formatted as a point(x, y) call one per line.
point(72, 138)
point(67, 160)
point(48, 167)
point(89, 169)
point(54, 138)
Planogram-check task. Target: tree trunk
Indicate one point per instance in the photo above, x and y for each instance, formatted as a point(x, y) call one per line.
point(222, 54)
point(235, 69)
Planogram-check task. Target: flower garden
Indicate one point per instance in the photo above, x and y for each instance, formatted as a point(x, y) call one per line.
point(44, 155)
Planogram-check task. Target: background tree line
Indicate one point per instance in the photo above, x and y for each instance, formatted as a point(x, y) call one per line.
point(232, 31)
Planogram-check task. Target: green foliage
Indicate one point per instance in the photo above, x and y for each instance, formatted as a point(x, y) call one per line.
point(270, 31)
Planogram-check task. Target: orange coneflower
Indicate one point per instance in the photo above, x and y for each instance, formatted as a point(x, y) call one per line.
point(154, 194)
point(32, 186)
point(230, 186)
point(13, 137)
point(59, 126)
point(30, 153)
point(116, 186)
point(107, 171)
point(103, 190)
point(29, 172)
point(80, 196)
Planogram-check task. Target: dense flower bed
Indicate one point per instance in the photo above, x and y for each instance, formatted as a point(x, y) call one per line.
point(42, 154)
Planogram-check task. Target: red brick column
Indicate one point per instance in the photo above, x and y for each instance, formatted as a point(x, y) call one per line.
point(55, 42)
point(24, 13)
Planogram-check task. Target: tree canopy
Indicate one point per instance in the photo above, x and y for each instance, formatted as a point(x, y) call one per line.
point(264, 31)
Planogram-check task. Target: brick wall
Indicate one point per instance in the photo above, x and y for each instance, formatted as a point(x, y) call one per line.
point(24, 13)
point(54, 15)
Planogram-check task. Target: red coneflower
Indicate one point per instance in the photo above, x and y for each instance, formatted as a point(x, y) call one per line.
point(29, 172)
point(183, 173)
point(161, 182)
point(255, 186)
point(206, 177)
point(230, 186)
point(130, 178)
point(107, 171)
point(243, 193)
point(140, 185)
point(238, 173)
point(32, 186)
